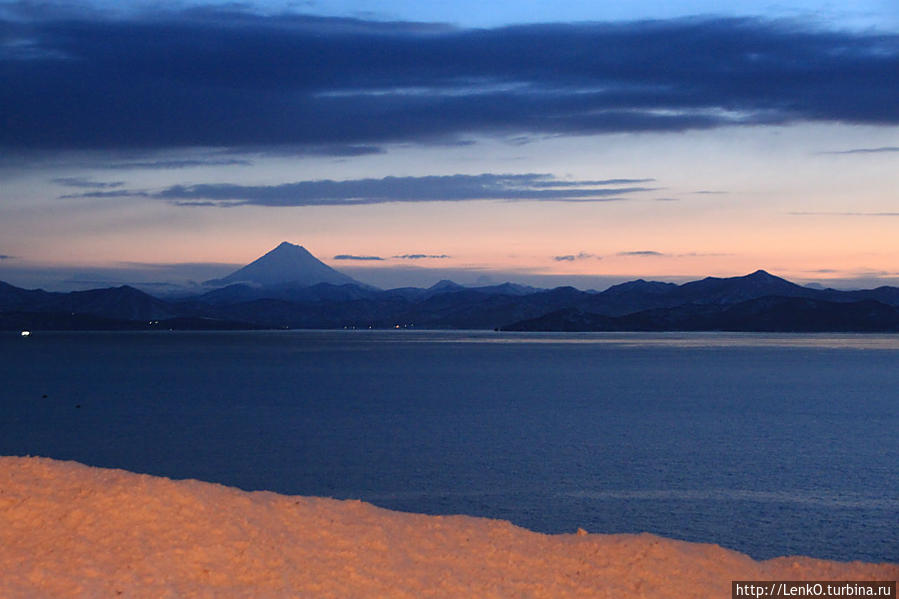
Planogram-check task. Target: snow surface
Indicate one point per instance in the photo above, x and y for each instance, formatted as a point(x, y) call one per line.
point(69, 530)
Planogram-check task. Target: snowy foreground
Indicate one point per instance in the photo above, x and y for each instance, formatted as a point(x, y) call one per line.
point(68, 530)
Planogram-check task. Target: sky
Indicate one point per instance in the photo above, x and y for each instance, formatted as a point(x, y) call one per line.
point(547, 143)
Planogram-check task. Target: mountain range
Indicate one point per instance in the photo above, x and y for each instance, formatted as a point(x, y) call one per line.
point(289, 288)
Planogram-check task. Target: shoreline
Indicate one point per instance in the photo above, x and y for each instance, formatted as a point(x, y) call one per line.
point(70, 530)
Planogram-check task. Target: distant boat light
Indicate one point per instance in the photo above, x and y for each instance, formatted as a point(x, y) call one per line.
point(26, 333)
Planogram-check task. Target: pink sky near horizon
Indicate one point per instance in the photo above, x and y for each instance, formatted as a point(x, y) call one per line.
point(689, 235)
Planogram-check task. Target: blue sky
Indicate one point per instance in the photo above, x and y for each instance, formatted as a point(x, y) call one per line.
point(551, 143)
point(882, 14)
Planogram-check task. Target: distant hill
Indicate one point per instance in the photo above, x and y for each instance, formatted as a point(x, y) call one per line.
point(287, 264)
point(765, 314)
point(119, 303)
point(289, 288)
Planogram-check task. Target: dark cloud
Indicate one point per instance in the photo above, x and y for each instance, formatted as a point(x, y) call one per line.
point(123, 193)
point(352, 257)
point(176, 164)
point(226, 158)
point(883, 150)
point(87, 183)
point(447, 188)
point(644, 253)
point(339, 151)
point(6, 257)
point(225, 77)
point(563, 183)
point(198, 204)
point(578, 256)
point(422, 256)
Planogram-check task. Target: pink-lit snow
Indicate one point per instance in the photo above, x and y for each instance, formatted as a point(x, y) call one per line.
point(69, 530)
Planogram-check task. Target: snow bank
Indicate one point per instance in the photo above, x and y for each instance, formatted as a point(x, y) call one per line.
point(69, 530)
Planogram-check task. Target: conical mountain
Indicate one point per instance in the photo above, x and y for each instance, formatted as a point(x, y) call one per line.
point(287, 264)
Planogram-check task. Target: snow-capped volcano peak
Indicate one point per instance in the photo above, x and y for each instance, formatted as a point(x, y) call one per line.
point(286, 264)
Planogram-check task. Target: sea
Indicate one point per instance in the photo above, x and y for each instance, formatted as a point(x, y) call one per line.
point(767, 444)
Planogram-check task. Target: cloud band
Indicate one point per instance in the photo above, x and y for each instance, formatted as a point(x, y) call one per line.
point(227, 77)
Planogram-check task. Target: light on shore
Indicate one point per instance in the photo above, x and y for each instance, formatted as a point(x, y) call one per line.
point(26, 333)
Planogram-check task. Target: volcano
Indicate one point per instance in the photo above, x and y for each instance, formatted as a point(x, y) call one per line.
point(287, 264)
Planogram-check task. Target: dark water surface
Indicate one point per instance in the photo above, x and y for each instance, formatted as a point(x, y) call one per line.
point(769, 444)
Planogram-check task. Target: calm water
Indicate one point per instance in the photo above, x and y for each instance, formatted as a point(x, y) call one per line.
point(768, 444)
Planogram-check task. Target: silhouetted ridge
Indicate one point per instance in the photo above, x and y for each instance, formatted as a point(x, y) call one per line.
point(755, 302)
point(765, 314)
